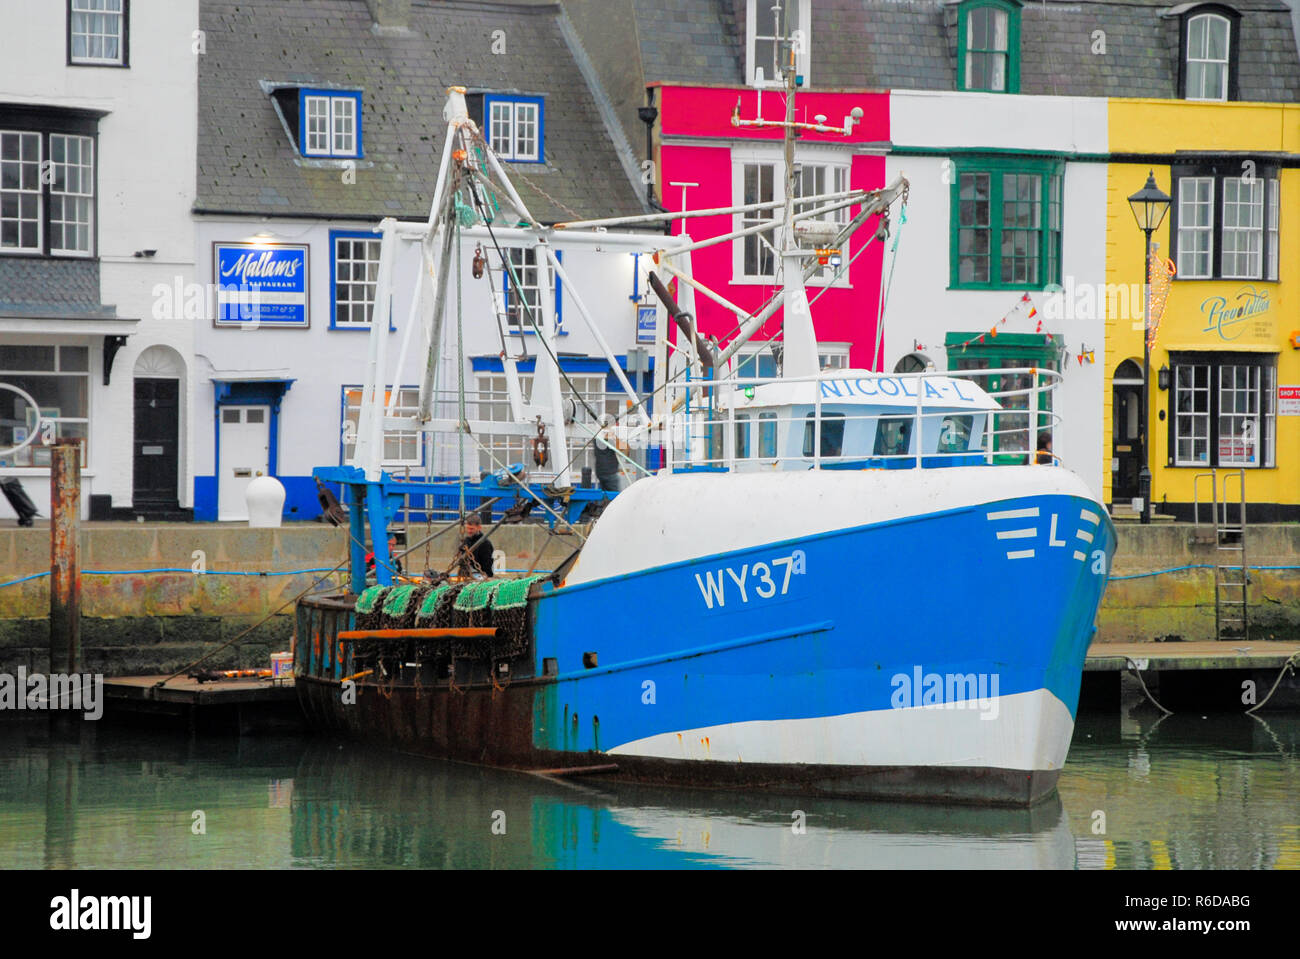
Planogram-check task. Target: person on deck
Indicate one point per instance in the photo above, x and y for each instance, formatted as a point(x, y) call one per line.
point(475, 552)
point(395, 565)
point(1045, 456)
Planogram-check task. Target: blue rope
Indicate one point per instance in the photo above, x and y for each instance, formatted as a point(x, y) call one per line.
point(186, 569)
point(1179, 569)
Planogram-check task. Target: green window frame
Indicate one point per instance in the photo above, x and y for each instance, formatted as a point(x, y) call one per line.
point(988, 46)
point(1006, 224)
point(1009, 351)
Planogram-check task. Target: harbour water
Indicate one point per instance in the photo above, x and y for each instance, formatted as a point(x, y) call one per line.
point(1138, 792)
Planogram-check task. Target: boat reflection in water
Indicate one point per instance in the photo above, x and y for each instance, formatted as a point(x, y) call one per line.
point(354, 807)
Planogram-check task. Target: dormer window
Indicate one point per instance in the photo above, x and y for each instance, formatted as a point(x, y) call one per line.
point(1208, 40)
point(329, 123)
point(988, 46)
point(767, 24)
point(515, 127)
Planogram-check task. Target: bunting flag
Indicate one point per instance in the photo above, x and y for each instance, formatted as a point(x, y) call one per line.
point(1025, 306)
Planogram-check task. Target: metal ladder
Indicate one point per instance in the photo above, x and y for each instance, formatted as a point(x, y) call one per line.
point(1231, 572)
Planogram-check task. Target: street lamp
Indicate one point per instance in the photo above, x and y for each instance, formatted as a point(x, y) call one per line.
point(1149, 206)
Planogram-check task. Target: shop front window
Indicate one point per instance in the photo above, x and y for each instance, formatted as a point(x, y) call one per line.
point(1224, 410)
point(58, 379)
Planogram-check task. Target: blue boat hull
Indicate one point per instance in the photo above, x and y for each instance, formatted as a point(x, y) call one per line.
point(934, 657)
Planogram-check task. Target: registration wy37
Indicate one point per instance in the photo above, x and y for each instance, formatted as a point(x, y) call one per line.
point(761, 580)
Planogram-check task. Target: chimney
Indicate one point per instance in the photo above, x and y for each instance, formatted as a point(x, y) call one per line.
point(390, 16)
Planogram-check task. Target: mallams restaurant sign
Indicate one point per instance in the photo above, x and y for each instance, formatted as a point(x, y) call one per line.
point(260, 285)
point(1228, 318)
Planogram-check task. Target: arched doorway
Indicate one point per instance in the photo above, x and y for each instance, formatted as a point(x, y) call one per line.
point(156, 448)
point(1126, 432)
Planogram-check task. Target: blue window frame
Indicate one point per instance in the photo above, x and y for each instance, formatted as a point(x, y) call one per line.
point(525, 301)
point(329, 123)
point(516, 127)
point(354, 275)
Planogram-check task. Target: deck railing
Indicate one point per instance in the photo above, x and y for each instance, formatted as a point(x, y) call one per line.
point(706, 431)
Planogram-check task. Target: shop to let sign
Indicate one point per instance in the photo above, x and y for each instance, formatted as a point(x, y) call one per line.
point(1288, 401)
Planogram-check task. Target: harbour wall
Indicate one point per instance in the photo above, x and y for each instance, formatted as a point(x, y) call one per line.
point(157, 613)
point(139, 620)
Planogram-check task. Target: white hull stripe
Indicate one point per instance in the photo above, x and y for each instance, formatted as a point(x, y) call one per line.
point(1029, 731)
point(1021, 554)
point(1017, 534)
point(1030, 513)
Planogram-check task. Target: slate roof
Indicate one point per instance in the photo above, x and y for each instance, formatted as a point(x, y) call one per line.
point(912, 45)
point(686, 41)
point(246, 164)
point(38, 286)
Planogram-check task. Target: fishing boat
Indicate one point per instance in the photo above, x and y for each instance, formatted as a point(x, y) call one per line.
point(833, 583)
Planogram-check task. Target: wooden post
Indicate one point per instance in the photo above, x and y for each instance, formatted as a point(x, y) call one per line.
point(65, 571)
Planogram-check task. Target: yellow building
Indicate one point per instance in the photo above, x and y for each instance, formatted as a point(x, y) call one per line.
point(1225, 365)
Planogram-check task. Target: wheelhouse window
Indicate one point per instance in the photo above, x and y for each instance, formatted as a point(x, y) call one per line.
point(1225, 221)
point(515, 127)
point(47, 193)
point(1224, 410)
point(1207, 59)
point(767, 24)
point(988, 44)
point(831, 433)
point(97, 32)
point(330, 123)
point(1006, 225)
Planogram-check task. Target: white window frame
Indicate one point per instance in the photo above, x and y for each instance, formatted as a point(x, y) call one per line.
point(493, 405)
point(323, 110)
point(507, 121)
point(1184, 231)
point(29, 185)
point(1199, 422)
point(530, 277)
point(408, 404)
point(371, 264)
point(838, 166)
point(1242, 243)
point(1272, 208)
point(1205, 59)
point(752, 38)
point(98, 20)
point(73, 185)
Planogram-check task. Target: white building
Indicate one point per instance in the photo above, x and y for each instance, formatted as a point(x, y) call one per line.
point(1008, 198)
point(302, 154)
point(97, 143)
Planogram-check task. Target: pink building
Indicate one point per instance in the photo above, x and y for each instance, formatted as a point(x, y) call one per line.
point(705, 162)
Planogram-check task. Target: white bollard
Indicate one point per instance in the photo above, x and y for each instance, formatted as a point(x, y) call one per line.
point(265, 499)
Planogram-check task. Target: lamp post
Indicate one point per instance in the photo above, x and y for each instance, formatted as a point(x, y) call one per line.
point(1150, 205)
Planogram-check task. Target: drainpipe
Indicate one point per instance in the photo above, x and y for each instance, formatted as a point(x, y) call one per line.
point(648, 114)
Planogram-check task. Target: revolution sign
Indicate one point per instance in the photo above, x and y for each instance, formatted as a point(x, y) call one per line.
point(261, 285)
